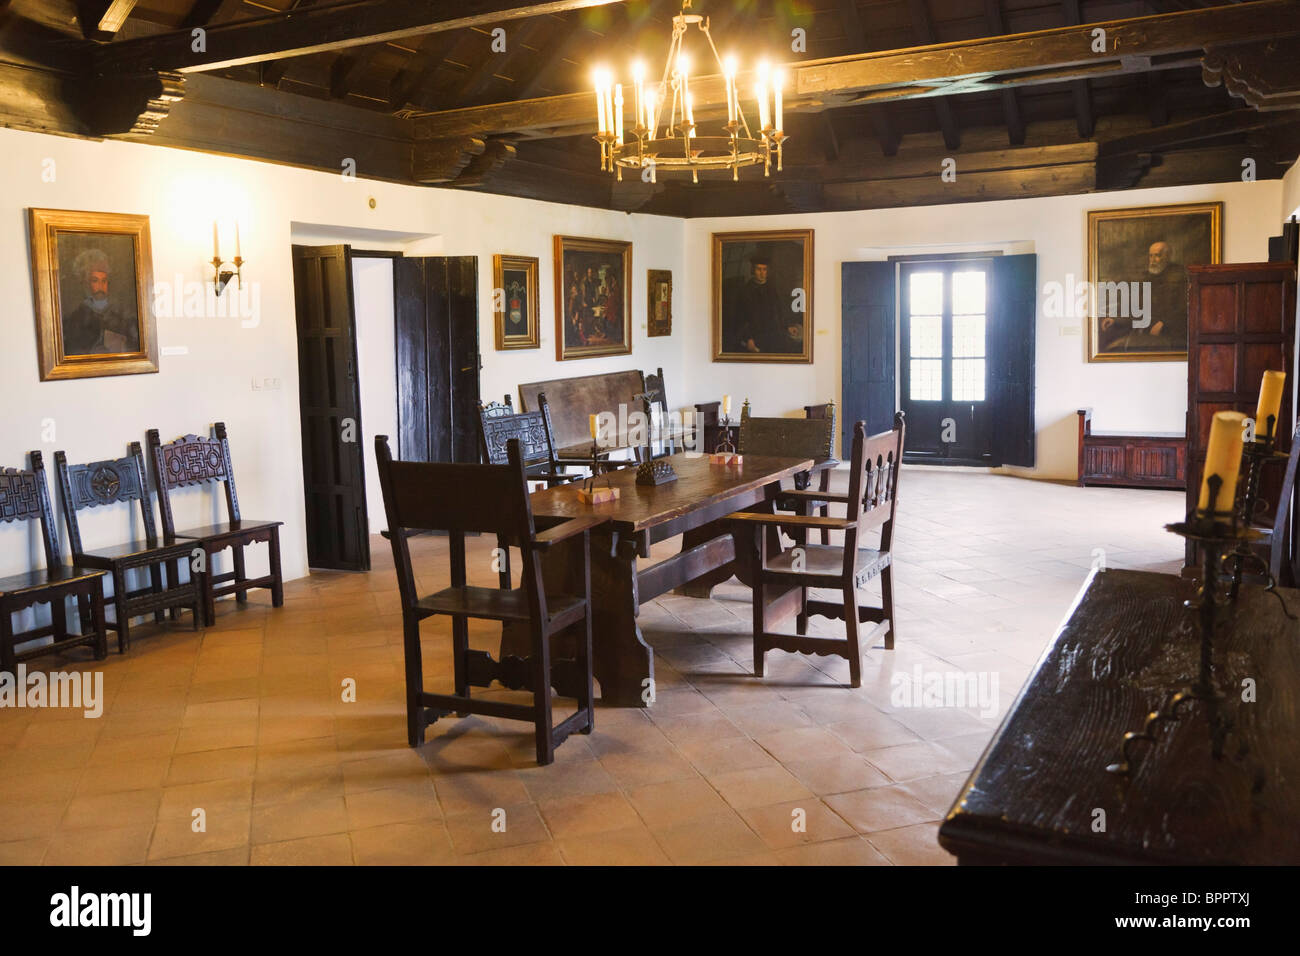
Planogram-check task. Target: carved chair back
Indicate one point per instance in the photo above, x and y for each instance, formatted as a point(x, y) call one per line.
point(25, 496)
point(873, 484)
point(191, 460)
point(101, 483)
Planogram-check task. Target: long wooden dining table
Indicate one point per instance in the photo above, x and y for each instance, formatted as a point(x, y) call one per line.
point(695, 506)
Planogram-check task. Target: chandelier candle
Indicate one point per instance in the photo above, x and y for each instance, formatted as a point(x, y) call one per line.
point(664, 136)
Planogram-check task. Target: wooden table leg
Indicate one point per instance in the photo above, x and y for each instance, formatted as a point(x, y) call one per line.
point(622, 661)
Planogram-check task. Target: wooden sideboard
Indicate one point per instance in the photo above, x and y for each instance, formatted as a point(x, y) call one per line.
point(1138, 459)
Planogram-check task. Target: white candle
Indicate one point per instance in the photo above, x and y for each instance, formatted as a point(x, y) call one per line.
point(600, 102)
point(760, 92)
point(778, 82)
point(638, 74)
point(650, 111)
point(618, 113)
point(216, 247)
point(690, 112)
point(731, 88)
point(726, 404)
point(683, 70)
point(237, 255)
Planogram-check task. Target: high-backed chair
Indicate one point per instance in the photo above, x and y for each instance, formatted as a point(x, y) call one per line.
point(499, 422)
point(656, 407)
point(199, 461)
point(793, 437)
point(121, 481)
point(25, 496)
point(1283, 568)
point(489, 499)
point(871, 502)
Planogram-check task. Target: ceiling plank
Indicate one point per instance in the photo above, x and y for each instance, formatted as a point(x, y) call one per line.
point(315, 30)
point(112, 19)
point(988, 63)
point(202, 12)
point(851, 22)
point(923, 28)
point(1010, 97)
point(477, 79)
point(413, 80)
point(1079, 88)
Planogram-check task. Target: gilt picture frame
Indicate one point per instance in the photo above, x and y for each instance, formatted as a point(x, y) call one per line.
point(659, 302)
point(1137, 280)
point(763, 296)
point(515, 302)
point(92, 278)
point(593, 297)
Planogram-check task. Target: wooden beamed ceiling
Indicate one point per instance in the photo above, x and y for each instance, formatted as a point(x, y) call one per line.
point(880, 92)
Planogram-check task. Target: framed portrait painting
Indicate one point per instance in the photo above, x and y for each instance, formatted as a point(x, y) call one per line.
point(593, 298)
point(762, 296)
point(659, 304)
point(514, 294)
point(1137, 259)
point(93, 279)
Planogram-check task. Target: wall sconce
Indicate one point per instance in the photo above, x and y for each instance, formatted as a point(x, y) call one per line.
point(221, 279)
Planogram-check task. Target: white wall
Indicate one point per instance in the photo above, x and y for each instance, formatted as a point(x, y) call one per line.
point(182, 192)
point(1146, 395)
point(1291, 192)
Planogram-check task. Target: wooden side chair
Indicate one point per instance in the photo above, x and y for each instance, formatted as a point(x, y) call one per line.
point(492, 499)
point(656, 407)
point(1282, 567)
point(104, 483)
point(25, 496)
point(811, 437)
point(871, 502)
point(199, 461)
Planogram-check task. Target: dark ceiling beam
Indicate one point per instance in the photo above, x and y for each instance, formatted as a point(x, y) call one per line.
point(518, 35)
point(989, 63)
point(830, 138)
point(201, 13)
point(545, 62)
point(1083, 111)
point(315, 30)
point(412, 82)
point(1010, 98)
point(344, 70)
point(923, 29)
point(885, 133)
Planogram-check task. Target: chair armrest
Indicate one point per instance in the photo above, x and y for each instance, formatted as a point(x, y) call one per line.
point(812, 495)
point(562, 532)
point(793, 521)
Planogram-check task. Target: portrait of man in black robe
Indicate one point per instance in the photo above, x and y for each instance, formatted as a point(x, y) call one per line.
point(764, 301)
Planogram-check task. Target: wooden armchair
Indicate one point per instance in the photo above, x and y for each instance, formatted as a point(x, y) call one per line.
point(25, 496)
point(872, 502)
point(103, 483)
point(197, 461)
point(492, 499)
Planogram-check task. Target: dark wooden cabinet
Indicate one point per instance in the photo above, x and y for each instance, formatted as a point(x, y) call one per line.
point(1139, 459)
point(1241, 322)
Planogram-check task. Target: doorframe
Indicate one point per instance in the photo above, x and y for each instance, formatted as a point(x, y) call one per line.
point(898, 261)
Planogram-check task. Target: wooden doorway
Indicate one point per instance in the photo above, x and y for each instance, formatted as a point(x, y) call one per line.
point(436, 304)
point(329, 402)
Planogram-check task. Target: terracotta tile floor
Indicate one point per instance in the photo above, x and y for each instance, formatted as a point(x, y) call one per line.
point(246, 720)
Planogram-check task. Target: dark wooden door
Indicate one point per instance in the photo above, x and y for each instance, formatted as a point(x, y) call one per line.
point(329, 402)
point(867, 349)
point(1013, 315)
point(1241, 321)
point(436, 302)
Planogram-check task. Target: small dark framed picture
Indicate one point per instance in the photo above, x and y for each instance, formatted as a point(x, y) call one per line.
point(514, 295)
point(659, 305)
point(93, 278)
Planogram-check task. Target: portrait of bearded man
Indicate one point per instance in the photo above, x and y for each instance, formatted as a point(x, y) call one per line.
point(98, 325)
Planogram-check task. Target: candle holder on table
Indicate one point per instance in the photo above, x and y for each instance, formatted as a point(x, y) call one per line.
point(724, 453)
point(1218, 533)
point(589, 493)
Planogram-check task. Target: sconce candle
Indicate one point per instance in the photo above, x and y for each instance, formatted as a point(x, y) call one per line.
point(726, 404)
point(593, 426)
point(1222, 458)
point(1270, 403)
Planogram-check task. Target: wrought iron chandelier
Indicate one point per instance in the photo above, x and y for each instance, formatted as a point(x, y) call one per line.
point(677, 146)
